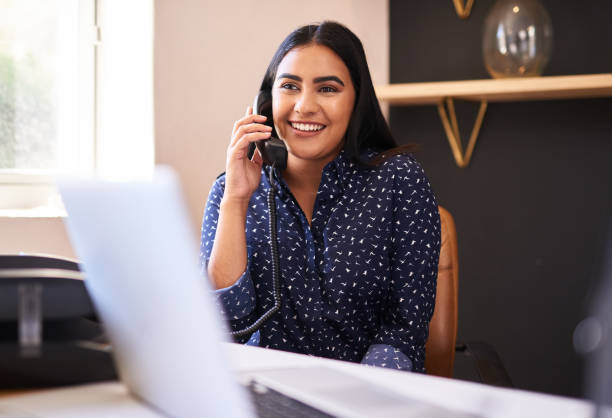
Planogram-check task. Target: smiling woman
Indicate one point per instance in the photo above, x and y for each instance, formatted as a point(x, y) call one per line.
point(358, 225)
point(312, 105)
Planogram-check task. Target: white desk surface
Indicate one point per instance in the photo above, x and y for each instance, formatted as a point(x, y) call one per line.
point(113, 400)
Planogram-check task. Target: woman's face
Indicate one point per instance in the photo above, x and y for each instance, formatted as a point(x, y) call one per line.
point(313, 98)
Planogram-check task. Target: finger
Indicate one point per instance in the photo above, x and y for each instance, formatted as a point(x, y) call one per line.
point(253, 127)
point(256, 158)
point(249, 111)
point(248, 119)
point(240, 147)
point(249, 128)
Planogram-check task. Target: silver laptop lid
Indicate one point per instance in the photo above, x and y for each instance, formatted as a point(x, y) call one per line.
point(140, 259)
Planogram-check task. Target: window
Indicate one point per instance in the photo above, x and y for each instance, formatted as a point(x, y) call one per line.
point(75, 94)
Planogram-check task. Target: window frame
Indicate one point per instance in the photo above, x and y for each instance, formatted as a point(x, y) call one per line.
point(26, 193)
point(23, 190)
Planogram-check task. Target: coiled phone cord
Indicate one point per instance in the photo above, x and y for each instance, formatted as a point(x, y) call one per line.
point(275, 264)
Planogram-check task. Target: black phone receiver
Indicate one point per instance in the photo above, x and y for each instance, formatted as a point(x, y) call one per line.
point(273, 151)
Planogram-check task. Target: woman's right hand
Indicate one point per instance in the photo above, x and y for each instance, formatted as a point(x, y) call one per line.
point(242, 176)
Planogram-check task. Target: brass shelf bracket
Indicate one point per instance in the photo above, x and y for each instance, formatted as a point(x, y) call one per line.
point(463, 9)
point(451, 128)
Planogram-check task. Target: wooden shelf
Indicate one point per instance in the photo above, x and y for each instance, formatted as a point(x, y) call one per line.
point(444, 93)
point(499, 90)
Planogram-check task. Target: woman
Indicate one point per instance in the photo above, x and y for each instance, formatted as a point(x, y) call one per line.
point(358, 225)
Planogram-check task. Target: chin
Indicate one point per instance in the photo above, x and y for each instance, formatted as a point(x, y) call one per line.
point(313, 149)
point(302, 154)
point(307, 153)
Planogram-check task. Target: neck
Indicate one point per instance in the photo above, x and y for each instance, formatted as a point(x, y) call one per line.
point(305, 174)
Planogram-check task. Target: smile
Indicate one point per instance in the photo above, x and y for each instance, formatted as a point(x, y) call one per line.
point(306, 127)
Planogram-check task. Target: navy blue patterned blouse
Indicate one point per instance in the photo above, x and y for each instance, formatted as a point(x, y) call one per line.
point(359, 283)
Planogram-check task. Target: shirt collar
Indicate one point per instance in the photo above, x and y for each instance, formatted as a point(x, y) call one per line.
point(342, 165)
point(339, 168)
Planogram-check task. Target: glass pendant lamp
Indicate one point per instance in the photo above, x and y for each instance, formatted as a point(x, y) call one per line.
point(517, 39)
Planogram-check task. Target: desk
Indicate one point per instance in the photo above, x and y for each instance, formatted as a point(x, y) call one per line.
point(112, 398)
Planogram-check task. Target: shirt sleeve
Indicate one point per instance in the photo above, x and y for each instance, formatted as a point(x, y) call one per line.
point(236, 302)
point(400, 340)
point(382, 355)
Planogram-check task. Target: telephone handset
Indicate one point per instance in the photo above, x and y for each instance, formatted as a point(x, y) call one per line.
point(273, 150)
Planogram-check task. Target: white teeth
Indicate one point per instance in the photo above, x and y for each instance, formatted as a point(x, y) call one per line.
point(307, 126)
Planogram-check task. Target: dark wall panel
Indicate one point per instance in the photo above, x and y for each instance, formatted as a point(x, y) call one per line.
point(533, 207)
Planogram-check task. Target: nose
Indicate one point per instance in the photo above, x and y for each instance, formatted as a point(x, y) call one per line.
point(306, 103)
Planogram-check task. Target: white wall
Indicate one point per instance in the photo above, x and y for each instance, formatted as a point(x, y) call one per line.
point(210, 57)
point(35, 236)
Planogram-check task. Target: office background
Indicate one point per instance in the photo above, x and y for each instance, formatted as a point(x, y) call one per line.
point(530, 209)
point(209, 59)
point(533, 207)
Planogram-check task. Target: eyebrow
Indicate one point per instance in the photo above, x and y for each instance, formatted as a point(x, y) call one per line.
point(316, 80)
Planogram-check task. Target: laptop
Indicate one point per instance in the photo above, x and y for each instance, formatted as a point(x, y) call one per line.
point(139, 256)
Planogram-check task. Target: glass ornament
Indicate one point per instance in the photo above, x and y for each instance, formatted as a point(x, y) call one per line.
point(517, 39)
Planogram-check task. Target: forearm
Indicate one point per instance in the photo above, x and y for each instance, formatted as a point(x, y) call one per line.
point(228, 258)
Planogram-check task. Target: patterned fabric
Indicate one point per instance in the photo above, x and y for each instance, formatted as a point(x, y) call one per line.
point(359, 283)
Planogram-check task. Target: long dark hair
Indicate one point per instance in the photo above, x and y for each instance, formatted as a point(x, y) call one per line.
point(367, 128)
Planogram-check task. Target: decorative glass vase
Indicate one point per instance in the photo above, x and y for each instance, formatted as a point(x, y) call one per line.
point(517, 39)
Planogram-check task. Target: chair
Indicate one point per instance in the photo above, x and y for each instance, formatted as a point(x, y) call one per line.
point(441, 346)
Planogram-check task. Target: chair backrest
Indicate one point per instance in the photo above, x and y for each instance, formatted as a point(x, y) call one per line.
point(440, 346)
